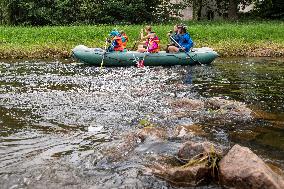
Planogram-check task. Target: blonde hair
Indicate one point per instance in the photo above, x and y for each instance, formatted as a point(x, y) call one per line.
point(148, 28)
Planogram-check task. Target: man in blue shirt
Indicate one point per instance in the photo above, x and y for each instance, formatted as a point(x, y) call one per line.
point(184, 40)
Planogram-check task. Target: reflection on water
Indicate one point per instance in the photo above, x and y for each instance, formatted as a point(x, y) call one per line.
point(259, 82)
point(57, 119)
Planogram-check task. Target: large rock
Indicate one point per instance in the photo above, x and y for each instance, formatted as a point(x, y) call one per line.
point(241, 168)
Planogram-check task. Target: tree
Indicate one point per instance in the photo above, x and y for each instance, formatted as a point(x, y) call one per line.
point(273, 9)
point(227, 8)
point(233, 9)
point(3, 12)
point(62, 12)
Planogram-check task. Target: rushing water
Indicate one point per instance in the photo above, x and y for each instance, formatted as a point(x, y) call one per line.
point(57, 119)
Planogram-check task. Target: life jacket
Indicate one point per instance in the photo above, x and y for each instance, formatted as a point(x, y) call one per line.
point(153, 44)
point(117, 43)
point(124, 40)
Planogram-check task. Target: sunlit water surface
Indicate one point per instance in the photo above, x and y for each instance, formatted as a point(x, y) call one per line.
point(58, 118)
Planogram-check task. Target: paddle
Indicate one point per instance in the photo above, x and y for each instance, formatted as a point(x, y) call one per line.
point(137, 41)
point(184, 50)
point(102, 63)
point(141, 62)
point(135, 44)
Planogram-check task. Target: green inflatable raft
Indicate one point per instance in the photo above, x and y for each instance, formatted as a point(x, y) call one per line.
point(95, 56)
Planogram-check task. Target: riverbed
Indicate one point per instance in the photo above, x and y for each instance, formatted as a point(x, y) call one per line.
point(59, 119)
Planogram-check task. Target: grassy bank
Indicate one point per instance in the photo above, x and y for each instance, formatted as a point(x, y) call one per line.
point(228, 38)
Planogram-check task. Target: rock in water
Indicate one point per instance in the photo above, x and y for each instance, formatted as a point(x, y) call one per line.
point(184, 176)
point(241, 168)
point(151, 133)
point(191, 149)
point(197, 171)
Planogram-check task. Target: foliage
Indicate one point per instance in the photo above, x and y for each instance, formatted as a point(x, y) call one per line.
point(66, 12)
point(77, 12)
point(223, 7)
point(3, 12)
point(273, 9)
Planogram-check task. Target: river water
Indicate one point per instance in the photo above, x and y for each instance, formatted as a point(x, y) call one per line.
point(59, 119)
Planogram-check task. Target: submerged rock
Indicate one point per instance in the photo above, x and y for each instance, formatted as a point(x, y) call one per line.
point(213, 109)
point(152, 133)
point(154, 141)
point(188, 131)
point(190, 104)
point(241, 168)
point(228, 110)
point(148, 139)
point(123, 149)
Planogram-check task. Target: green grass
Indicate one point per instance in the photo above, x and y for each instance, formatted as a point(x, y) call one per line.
point(258, 38)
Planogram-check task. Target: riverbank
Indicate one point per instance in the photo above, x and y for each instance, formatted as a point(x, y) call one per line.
point(263, 38)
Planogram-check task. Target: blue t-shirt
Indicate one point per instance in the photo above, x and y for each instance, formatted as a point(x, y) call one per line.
point(185, 41)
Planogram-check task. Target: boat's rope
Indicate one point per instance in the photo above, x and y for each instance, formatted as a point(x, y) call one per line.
point(136, 59)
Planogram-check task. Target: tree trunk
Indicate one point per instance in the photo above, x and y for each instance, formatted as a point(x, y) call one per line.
point(197, 7)
point(199, 12)
point(233, 10)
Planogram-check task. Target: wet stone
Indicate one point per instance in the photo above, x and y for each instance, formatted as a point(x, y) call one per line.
point(241, 168)
point(189, 104)
point(191, 149)
point(184, 176)
point(214, 109)
point(151, 133)
point(188, 131)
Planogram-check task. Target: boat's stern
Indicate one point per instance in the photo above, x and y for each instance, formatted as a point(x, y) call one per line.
point(87, 55)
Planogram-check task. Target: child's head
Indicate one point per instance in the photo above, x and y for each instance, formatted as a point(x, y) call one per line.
point(114, 33)
point(122, 32)
point(182, 29)
point(148, 29)
point(152, 35)
point(176, 28)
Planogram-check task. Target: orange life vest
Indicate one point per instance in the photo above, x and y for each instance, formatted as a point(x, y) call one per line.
point(124, 44)
point(118, 46)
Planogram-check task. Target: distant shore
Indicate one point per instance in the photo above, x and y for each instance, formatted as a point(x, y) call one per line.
point(229, 39)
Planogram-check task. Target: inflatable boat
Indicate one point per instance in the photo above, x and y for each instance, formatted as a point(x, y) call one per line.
point(100, 57)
